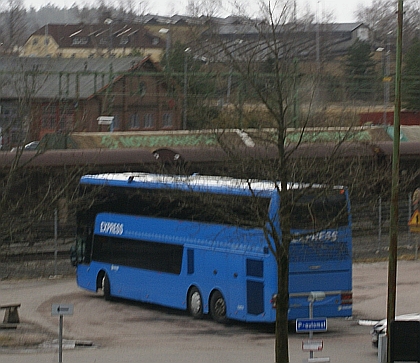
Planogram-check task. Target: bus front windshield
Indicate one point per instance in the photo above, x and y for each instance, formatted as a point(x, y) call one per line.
point(81, 252)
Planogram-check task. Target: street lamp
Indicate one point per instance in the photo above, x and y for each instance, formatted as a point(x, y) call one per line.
point(109, 22)
point(383, 72)
point(386, 79)
point(167, 33)
point(237, 44)
point(187, 51)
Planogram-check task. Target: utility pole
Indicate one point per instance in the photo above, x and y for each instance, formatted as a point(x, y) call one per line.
point(393, 231)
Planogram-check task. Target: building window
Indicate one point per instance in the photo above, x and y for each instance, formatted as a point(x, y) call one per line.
point(167, 120)
point(9, 115)
point(49, 118)
point(80, 40)
point(56, 119)
point(363, 34)
point(142, 89)
point(104, 41)
point(35, 41)
point(66, 122)
point(116, 124)
point(148, 121)
point(135, 121)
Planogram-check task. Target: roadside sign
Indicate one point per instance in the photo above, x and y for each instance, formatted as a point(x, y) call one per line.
point(414, 223)
point(312, 345)
point(62, 309)
point(105, 120)
point(311, 325)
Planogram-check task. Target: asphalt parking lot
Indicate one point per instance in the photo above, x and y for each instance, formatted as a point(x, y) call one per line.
point(123, 331)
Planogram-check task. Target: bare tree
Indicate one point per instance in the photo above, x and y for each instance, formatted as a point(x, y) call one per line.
point(28, 193)
point(204, 8)
point(130, 10)
point(380, 17)
point(261, 66)
point(273, 91)
point(14, 26)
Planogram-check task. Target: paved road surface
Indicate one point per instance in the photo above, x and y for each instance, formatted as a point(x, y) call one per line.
point(131, 332)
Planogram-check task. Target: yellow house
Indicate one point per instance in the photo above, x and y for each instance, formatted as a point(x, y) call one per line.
point(111, 39)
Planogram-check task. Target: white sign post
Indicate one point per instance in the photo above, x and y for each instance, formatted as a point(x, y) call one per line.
point(312, 325)
point(60, 310)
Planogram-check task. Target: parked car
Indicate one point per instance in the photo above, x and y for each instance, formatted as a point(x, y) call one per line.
point(28, 147)
point(381, 326)
point(31, 146)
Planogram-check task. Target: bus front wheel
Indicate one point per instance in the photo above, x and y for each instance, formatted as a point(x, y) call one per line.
point(218, 307)
point(195, 303)
point(106, 287)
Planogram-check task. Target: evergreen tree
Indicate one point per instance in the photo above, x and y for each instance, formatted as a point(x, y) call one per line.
point(411, 77)
point(360, 69)
point(194, 77)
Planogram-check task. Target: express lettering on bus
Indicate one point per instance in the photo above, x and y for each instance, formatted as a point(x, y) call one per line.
point(112, 228)
point(329, 236)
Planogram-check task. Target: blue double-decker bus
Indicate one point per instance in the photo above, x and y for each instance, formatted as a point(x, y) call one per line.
point(200, 243)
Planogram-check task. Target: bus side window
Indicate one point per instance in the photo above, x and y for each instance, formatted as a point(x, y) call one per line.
point(254, 268)
point(190, 261)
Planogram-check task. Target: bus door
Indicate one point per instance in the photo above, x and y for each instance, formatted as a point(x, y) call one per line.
point(254, 269)
point(235, 291)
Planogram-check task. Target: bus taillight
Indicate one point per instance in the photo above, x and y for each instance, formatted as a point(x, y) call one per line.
point(273, 301)
point(346, 298)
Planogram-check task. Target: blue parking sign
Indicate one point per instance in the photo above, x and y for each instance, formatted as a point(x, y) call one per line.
point(308, 325)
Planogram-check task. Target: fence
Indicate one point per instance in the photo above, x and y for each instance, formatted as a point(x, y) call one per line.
point(371, 221)
point(40, 250)
point(370, 233)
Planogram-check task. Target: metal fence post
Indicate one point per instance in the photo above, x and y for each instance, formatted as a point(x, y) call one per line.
point(379, 222)
point(55, 240)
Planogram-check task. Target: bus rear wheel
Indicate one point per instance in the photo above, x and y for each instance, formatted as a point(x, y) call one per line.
point(218, 307)
point(195, 303)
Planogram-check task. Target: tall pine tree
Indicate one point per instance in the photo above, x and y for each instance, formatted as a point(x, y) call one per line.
point(360, 69)
point(411, 77)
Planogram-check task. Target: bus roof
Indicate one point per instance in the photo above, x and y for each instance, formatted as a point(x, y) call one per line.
point(216, 184)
